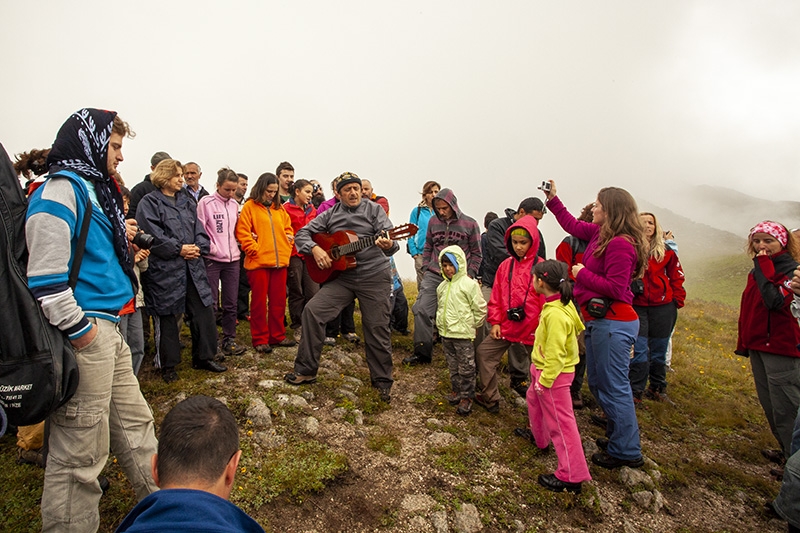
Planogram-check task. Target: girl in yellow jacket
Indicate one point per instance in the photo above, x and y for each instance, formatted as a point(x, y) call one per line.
point(554, 355)
point(265, 233)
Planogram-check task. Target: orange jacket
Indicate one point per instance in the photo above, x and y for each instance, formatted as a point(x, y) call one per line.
point(266, 236)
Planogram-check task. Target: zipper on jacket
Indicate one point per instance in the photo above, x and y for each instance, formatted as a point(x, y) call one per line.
point(274, 238)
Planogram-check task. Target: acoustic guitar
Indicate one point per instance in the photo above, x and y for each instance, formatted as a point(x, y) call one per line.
point(342, 247)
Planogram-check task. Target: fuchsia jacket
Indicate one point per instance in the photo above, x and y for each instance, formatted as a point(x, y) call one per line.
point(218, 217)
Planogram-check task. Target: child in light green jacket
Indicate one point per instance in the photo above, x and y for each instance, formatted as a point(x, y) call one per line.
point(460, 311)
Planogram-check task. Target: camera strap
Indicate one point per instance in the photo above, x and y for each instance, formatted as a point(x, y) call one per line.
point(530, 280)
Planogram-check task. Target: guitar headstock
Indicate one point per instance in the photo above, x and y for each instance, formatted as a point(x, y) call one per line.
point(401, 232)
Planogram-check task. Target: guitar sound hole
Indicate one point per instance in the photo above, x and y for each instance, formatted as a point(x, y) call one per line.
point(334, 253)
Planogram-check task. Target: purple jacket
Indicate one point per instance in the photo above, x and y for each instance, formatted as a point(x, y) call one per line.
point(327, 204)
point(218, 217)
point(462, 231)
point(608, 275)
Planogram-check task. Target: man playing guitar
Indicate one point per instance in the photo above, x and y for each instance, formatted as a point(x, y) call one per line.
point(370, 281)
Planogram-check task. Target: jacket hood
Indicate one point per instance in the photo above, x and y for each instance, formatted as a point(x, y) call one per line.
point(461, 260)
point(572, 313)
point(448, 196)
point(531, 226)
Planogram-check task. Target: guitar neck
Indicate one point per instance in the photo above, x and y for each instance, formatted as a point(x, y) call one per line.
point(353, 247)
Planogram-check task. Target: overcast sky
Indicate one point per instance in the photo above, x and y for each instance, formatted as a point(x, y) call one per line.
point(488, 98)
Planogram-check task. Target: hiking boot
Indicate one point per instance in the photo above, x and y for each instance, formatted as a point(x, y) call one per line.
point(658, 396)
point(231, 347)
point(298, 334)
point(264, 348)
point(464, 407)
point(169, 375)
point(286, 343)
point(104, 483)
point(414, 360)
point(352, 337)
point(453, 398)
point(551, 482)
point(329, 341)
point(520, 387)
point(599, 420)
point(610, 462)
point(297, 379)
point(602, 443)
point(385, 393)
point(577, 401)
point(492, 407)
point(774, 456)
point(210, 365)
point(32, 457)
point(524, 433)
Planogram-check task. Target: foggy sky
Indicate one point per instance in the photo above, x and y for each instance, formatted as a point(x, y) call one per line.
point(486, 98)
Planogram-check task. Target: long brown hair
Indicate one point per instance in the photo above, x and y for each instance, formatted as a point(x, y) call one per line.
point(656, 243)
point(622, 219)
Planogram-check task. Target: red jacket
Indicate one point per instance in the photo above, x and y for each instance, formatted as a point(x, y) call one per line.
point(663, 282)
point(519, 291)
point(766, 323)
point(299, 217)
point(570, 251)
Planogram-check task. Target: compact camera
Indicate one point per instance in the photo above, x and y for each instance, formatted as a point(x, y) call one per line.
point(545, 186)
point(637, 287)
point(516, 314)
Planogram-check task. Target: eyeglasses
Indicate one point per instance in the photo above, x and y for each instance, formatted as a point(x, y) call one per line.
point(316, 188)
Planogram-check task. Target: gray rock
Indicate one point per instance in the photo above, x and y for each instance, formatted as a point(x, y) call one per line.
point(293, 400)
point(339, 412)
point(223, 400)
point(342, 359)
point(589, 448)
point(658, 501)
point(269, 439)
point(258, 413)
point(439, 521)
point(352, 381)
point(417, 503)
point(655, 475)
point(308, 395)
point(643, 499)
point(467, 519)
point(358, 417)
point(180, 397)
point(419, 524)
point(519, 527)
point(521, 403)
point(270, 383)
point(347, 394)
point(633, 478)
point(649, 464)
point(440, 438)
point(311, 425)
point(330, 365)
point(434, 422)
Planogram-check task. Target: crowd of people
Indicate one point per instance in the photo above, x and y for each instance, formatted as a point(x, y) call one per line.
point(171, 252)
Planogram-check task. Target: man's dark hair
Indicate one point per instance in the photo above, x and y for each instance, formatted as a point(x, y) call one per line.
point(531, 204)
point(197, 440)
point(487, 219)
point(283, 166)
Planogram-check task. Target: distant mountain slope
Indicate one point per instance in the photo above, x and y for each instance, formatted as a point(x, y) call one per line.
point(697, 242)
point(722, 208)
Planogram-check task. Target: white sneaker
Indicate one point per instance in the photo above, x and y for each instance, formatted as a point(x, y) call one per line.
point(298, 334)
point(329, 341)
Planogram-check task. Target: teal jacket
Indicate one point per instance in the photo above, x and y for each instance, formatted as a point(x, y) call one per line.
point(461, 308)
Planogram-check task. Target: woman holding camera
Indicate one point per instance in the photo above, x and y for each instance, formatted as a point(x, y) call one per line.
point(615, 255)
point(176, 281)
point(657, 297)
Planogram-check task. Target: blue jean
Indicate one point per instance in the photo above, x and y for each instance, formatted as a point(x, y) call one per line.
point(608, 350)
point(132, 331)
point(787, 504)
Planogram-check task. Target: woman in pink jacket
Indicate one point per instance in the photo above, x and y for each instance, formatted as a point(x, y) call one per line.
point(218, 214)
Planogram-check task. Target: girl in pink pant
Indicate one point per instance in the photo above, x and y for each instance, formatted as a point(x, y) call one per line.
point(554, 356)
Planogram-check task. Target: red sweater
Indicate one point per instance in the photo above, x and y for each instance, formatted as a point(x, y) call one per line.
point(766, 323)
point(299, 217)
point(663, 282)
